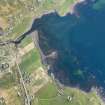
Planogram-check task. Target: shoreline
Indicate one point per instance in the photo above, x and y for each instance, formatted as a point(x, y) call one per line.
point(47, 12)
point(72, 7)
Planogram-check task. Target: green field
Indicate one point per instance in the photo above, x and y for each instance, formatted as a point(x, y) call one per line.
point(25, 41)
point(7, 81)
point(20, 28)
point(50, 91)
point(30, 61)
point(14, 98)
point(49, 95)
point(9, 87)
point(65, 6)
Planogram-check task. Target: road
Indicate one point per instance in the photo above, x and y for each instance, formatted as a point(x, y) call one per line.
point(26, 49)
point(27, 97)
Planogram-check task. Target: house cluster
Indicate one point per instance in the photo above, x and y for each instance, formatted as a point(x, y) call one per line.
point(4, 67)
point(2, 101)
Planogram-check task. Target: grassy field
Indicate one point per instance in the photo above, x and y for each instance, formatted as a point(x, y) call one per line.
point(20, 28)
point(7, 81)
point(13, 98)
point(50, 91)
point(61, 6)
point(49, 95)
point(65, 6)
point(25, 41)
point(9, 88)
point(30, 61)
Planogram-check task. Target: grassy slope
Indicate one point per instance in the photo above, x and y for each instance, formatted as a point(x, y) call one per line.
point(7, 84)
point(13, 97)
point(65, 6)
point(48, 95)
point(7, 81)
point(25, 41)
point(30, 61)
point(20, 28)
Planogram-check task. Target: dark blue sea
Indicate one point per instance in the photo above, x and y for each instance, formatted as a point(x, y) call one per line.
point(79, 41)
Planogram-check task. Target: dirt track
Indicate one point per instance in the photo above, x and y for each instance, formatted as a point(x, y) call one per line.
point(23, 51)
